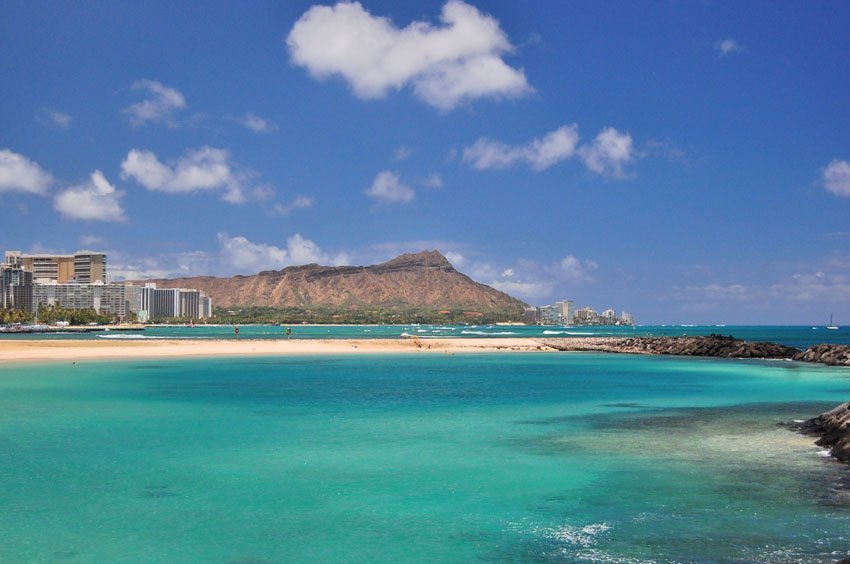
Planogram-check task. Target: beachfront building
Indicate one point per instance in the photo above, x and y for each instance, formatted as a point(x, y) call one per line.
point(84, 267)
point(15, 288)
point(158, 303)
point(562, 313)
point(548, 315)
point(106, 299)
point(565, 312)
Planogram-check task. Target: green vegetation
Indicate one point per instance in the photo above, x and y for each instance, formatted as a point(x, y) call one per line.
point(52, 314)
point(384, 316)
point(8, 316)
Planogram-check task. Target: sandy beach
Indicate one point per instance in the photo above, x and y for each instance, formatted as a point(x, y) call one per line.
point(44, 350)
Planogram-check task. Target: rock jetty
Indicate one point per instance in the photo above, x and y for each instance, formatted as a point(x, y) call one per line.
point(833, 428)
point(831, 355)
point(719, 346)
point(712, 345)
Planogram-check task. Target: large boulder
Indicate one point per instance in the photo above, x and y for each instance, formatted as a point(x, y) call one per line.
point(833, 428)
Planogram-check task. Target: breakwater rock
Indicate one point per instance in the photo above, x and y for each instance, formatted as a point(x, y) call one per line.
point(711, 345)
point(833, 428)
point(832, 355)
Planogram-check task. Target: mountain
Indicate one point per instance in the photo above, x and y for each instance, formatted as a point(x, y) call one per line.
point(425, 280)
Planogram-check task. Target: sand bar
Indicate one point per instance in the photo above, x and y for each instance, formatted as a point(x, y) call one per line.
point(54, 350)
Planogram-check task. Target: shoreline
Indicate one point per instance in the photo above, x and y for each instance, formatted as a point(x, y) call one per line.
point(711, 346)
point(26, 350)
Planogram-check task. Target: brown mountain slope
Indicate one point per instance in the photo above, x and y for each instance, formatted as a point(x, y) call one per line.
point(425, 279)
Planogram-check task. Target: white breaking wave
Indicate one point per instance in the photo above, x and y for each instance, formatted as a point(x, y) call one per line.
point(488, 333)
point(581, 536)
point(138, 337)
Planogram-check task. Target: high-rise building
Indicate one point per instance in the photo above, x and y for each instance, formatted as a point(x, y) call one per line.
point(106, 299)
point(83, 267)
point(548, 315)
point(15, 288)
point(531, 315)
point(157, 303)
point(89, 267)
point(565, 312)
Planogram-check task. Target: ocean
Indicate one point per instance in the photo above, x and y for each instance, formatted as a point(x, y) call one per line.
point(430, 458)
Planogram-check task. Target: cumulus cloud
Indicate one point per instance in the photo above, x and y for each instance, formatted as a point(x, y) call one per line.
point(91, 241)
point(609, 152)
point(160, 105)
point(830, 286)
point(529, 290)
point(96, 200)
point(445, 65)
point(388, 188)
point(402, 153)
point(433, 180)
point(457, 259)
point(727, 46)
point(300, 202)
point(715, 292)
point(533, 281)
point(836, 178)
point(201, 169)
point(242, 255)
point(572, 269)
point(19, 174)
point(54, 118)
point(255, 123)
point(539, 154)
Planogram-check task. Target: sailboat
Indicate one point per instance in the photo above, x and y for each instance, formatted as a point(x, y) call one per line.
point(831, 326)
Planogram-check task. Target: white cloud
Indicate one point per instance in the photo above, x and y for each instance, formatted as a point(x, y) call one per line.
point(445, 65)
point(457, 259)
point(242, 255)
point(525, 290)
point(433, 180)
point(91, 241)
point(160, 106)
point(206, 168)
point(532, 281)
point(609, 152)
point(54, 118)
point(96, 200)
point(572, 269)
point(715, 292)
point(836, 178)
point(539, 154)
point(726, 46)
point(255, 123)
point(19, 174)
point(388, 188)
point(830, 286)
point(300, 202)
point(402, 153)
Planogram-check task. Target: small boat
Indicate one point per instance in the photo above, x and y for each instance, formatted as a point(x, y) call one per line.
point(831, 325)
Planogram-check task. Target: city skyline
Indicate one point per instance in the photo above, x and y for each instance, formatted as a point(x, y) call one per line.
point(690, 162)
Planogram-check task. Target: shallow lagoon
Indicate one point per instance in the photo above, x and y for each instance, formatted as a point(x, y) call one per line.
point(508, 457)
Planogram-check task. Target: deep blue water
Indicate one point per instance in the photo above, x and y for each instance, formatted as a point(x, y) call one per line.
point(503, 458)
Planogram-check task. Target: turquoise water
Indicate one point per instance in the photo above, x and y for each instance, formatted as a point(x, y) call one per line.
point(503, 458)
point(796, 336)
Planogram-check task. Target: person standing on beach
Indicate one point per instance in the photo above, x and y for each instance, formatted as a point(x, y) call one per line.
point(236, 332)
point(288, 332)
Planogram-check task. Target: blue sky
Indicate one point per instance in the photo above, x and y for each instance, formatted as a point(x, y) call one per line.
point(685, 161)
